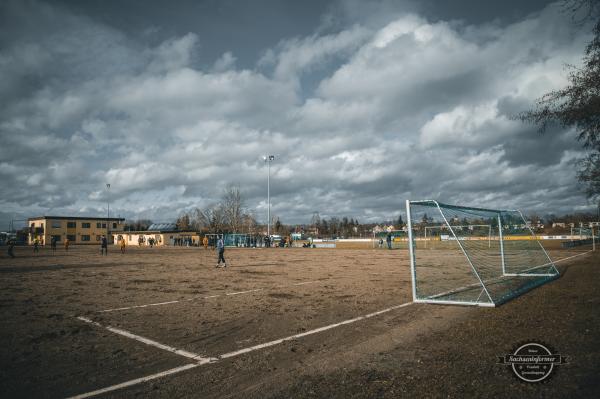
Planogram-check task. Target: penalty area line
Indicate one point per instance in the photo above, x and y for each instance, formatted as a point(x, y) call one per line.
point(571, 257)
point(190, 355)
point(135, 382)
point(201, 361)
point(196, 298)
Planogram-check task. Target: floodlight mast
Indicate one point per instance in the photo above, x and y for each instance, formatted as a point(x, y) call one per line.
point(268, 159)
point(107, 211)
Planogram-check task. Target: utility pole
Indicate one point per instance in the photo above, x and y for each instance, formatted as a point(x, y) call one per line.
point(107, 211)
point(268, 159)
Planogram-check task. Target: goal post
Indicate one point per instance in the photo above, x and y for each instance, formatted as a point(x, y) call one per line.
point(479, 256)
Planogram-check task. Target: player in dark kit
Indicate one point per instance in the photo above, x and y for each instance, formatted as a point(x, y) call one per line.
point(221, 249)
point(103, 246)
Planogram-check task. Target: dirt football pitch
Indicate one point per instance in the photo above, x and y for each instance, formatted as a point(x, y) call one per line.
point(277, 323)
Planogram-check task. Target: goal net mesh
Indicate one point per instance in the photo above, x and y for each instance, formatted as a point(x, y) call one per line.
point(472, 255)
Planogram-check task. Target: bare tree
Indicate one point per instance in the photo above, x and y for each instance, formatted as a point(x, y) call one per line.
point(578, 104)
point(209, 219)
point(233, 208)
point(183, 222)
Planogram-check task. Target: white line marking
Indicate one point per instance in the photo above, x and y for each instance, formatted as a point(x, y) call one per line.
point(226, 355)
point(200, 297)
point(307, 282)
point(147, 341)
point(574, 256)
point(243, 292)
point(140, 306)
point(136, 381)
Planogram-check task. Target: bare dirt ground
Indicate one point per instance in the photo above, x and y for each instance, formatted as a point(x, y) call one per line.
point(264, 295)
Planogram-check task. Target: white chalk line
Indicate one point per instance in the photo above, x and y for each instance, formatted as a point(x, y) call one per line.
point(135, 382)
point(202, 297)
point(199, 358)
point(243, 292)
point(210, 360)
point(574, 256)
point(306, 333)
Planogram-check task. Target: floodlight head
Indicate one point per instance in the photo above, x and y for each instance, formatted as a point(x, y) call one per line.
point(265, 158)
point(271, 157)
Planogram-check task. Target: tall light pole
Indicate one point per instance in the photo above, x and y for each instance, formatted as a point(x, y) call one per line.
point(107, 211)
point(268, 159)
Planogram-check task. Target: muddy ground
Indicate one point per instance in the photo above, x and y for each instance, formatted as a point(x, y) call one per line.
point(264, 295)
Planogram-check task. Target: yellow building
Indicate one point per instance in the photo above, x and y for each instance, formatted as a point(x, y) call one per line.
point(79, 230)
point(159, 234)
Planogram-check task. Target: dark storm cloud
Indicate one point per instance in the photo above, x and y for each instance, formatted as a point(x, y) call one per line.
point(365, 104)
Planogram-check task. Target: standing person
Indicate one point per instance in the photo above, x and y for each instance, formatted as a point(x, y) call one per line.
point(221, 248)
point(205, 242)
point(123, 245)
point(36, 245)
point(11, 246)
point(67, 243)
point(53, 245)
point(103, 246)
point(388, 239)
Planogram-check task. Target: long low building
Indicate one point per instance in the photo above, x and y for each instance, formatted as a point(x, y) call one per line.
point(158, 234)
point(78, 230)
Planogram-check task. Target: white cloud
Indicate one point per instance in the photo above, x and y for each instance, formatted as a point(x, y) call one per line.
point(478, 125)
point(402, 108)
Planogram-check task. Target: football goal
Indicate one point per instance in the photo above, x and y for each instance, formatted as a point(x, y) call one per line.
point(473, 256)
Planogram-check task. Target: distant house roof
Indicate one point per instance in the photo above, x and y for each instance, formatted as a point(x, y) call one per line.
point(77, 218)
point(162, 227)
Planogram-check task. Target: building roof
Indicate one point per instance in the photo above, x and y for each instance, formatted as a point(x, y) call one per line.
point(162, 227)
point(76, 218)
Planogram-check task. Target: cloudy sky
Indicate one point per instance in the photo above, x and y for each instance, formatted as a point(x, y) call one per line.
point(364, 103)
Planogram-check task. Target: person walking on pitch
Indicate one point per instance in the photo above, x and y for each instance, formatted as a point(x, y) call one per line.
point(11, 246)
point(103, 246)
point(53, 245)
point(221, 248)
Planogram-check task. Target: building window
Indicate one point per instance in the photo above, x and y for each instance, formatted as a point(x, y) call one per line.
point(56, 224)
point(114, 226)
point(85, 237)
point(56, 237)
point(71, 225)
point(71, 237)
point(32, 225)
point(129, 237)
point(98, 225)
point(85, 225)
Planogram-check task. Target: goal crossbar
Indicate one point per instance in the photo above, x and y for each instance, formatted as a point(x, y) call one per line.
point(465, 272)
